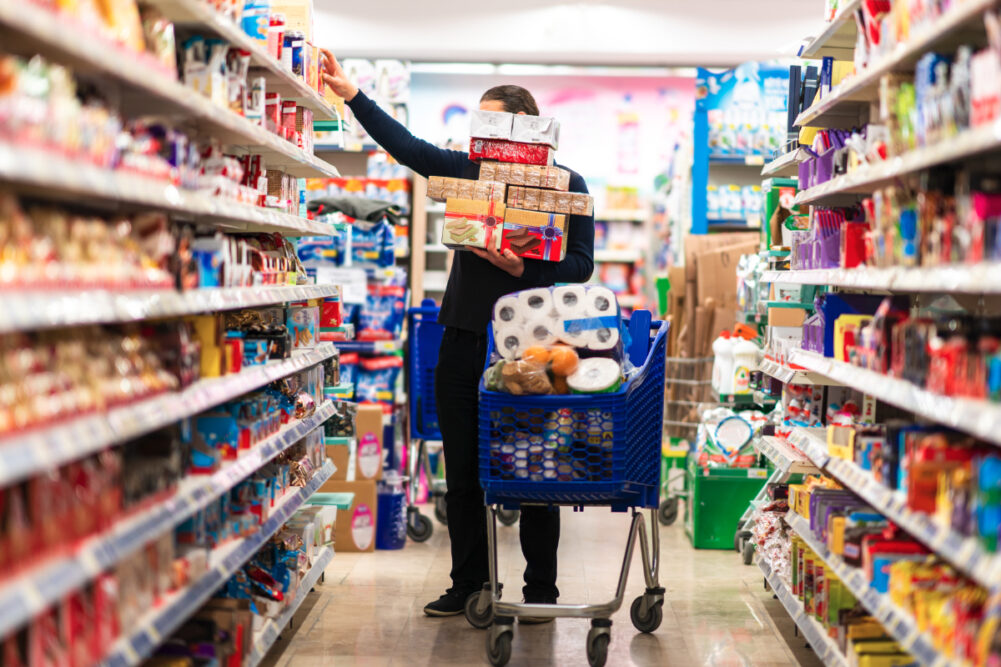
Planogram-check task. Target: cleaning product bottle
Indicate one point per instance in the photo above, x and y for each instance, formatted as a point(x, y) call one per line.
point(745, 360)
point(723, 363)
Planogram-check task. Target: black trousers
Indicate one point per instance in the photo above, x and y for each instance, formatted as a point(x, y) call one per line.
point(460, 365)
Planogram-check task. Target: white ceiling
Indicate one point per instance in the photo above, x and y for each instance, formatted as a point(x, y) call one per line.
point(624, 32)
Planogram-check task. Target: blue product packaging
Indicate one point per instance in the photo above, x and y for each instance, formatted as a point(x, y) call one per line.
point(221, 431)
point(372, 244)
point(255, 351)
point(376, 379)
point(256, 18)
point(383, 314)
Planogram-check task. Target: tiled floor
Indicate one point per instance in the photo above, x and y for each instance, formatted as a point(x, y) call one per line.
point(368, 611)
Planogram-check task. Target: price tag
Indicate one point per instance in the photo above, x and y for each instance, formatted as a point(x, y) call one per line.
point(757, 473)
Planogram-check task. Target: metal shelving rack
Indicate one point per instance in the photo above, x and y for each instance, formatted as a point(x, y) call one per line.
point(140, 87)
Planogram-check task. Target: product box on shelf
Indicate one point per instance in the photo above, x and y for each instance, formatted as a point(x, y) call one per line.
point(535, 235)
point(304, 325)
point(536, 130)
point(510, 151)
point(442, 188)
point(354, 529)
point(369, 436)
point(472, 223)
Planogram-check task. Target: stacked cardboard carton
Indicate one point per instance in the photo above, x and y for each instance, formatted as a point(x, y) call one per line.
point(521, 201)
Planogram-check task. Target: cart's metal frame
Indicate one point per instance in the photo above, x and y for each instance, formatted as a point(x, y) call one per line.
point(648, 606)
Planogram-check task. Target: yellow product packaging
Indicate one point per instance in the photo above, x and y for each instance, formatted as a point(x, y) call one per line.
point(836, 535)
point(841, 441)
point(121, 21)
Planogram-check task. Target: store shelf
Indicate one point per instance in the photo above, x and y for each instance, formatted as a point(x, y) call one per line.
point(813, 443)
point(785, 458)
point(369, 346)
point(29, 310)
point(30, 28)
point(849, 101)
point(965, 553)
point(201, 16)
point(823, 646)
point(41, 586)
point(624, 256)
point(839, 36)
point(158, 624)
point(898, 623)
point(970, 279)
point(789, 375)
point(786, 164)
point(268, 634)
point(864, 180)
point(976, 417)
point(56, 177)
point(46, 448)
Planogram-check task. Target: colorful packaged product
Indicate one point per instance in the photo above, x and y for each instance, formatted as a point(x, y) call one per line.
point(472, 223)
point(535, 235)
point(441, 188)
point(304, 325)
point(510, 151)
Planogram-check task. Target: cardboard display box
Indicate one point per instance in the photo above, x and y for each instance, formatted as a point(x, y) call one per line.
point(345, 460)
point(354, 529)
point(368, 434)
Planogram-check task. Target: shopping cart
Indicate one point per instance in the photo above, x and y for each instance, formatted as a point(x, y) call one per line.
point(603, 450)
point(424, 337)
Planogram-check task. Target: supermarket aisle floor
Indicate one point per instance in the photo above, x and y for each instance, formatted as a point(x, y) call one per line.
point(368, 611)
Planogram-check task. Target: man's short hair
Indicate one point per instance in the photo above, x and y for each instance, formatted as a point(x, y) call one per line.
point(515, 98)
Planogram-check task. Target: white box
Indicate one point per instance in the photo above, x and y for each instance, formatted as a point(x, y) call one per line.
point(491, 124)
point(536, 130)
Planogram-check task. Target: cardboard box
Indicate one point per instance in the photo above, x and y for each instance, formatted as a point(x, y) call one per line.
point(531, 175)
point(536, 130)
point(472, 223)
point(442, 188)
point(510, 151)
point(786, 317)
point(368, 433)
point(345, 460)
point(354, 528)
point(535, 235)
point(490, 124)
point(552, 201)
point(716, 274)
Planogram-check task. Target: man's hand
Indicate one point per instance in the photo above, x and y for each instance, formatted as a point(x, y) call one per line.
point(508, 261)
point(334, 76)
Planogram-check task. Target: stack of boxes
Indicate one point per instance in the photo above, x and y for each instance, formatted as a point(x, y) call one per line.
point(521, 201)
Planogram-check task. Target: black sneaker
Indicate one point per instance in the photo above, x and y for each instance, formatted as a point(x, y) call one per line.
point(537, 620)
point(452, 603)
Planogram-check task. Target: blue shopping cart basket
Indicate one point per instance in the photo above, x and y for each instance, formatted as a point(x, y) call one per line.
point(593, 449)
point(424, 334)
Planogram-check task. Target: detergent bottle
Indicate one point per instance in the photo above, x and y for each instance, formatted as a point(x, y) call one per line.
point(723, 364)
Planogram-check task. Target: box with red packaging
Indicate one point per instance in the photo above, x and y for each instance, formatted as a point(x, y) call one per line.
point(535, 235)
point(510, 151)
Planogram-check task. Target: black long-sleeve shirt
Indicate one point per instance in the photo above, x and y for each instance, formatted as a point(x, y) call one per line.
point(474, 284)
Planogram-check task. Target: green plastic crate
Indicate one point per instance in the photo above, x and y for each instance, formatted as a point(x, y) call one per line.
point(718, 497)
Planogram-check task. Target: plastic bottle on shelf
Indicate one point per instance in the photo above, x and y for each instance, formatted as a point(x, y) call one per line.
point(723, 363)
point(745, 356)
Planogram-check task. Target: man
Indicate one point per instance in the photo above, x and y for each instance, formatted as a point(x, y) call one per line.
point(477, 280)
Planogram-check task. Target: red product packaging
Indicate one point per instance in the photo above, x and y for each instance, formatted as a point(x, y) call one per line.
point(106, 626)
point(510, 151)
point(330, 313)
point(873, 545)
point(272, 112)
point(853, 235)
point(535, 235)
point(288, 120)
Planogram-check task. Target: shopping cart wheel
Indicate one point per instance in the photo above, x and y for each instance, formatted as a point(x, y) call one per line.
point(439, 510)
point(748, 552)
point(477, 617)
point(597, 641)
point(419, 527)
point(499, 645)
point(508, 517)
point(668, 512)
point(651, 620)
